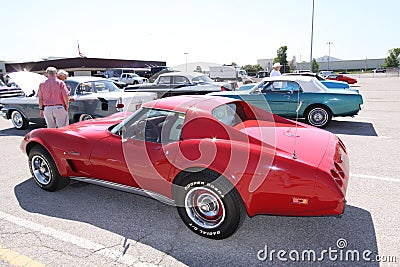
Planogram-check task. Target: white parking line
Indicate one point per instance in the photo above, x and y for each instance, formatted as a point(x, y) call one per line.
point(375, 177)
point(100, 249)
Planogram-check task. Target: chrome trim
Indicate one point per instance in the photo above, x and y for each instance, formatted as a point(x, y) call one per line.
point(125, 188)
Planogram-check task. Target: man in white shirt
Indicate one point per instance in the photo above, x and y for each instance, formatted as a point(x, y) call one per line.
point(276, 70)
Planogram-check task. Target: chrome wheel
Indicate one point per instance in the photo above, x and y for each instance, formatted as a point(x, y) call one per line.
point(204, 207)
point(18, 120)
point(318, 117)
point(41, 170)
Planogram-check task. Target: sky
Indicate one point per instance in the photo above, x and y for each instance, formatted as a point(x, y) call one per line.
point(218, 31)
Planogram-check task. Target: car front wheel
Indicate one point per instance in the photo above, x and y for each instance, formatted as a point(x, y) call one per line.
point(18, 120)
point(209, 205)
point(44, 170)
point(318, 116)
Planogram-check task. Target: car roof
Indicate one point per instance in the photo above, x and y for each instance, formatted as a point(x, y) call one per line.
point(307, 83)
point(184, 102)
point(187, 74)
point(82, 79)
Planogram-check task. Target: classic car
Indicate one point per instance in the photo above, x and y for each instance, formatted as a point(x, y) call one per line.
point(300, 97)
point(331, 84)
point(9, 91)
point(180, 83)
point(90, 97)
point(216, 159)
point(341, 77)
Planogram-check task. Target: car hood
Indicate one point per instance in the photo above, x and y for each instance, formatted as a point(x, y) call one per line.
point(289, 140)
point(28, 81)
point(95, 125)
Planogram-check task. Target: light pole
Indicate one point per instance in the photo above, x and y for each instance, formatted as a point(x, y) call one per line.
point(312, 33)
point(186, 59)
point(329, 55)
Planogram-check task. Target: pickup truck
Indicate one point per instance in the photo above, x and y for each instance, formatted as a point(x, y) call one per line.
point(132, 78)
point(180, 83)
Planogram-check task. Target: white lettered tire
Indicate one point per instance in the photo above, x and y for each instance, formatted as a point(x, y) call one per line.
point(209, 205)
point(44, 170)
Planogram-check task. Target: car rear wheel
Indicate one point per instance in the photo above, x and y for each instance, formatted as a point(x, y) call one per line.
point(209, 205)
point(85, 117)
point(18, 120)
point(318, 116)
point(44, 170)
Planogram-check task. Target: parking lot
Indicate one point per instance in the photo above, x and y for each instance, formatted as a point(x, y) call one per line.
point(87, 225)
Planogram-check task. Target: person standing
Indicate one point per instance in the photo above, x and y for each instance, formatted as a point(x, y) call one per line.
point(62, 75)
point(53, 100)
point(276, 70)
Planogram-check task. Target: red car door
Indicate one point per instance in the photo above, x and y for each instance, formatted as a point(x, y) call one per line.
point(142, 155)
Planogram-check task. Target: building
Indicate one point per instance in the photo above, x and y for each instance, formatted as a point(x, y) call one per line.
point(332, 63)
point(78, 66)
point(335, 64)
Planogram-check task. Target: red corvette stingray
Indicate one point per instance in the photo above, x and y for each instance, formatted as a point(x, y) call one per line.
point(215, 158)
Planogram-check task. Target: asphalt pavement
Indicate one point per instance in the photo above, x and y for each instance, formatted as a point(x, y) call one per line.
point(88, 225)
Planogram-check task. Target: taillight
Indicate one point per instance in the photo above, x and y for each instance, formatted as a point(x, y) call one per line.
point(223, 88)
point(120, 105)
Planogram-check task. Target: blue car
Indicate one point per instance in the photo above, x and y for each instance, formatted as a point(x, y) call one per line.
point(300, 97)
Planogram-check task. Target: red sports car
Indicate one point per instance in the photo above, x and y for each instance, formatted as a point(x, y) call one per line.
point(217, 159)
point(342, 78)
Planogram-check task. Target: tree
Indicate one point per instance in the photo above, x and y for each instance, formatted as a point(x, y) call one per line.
point(198, 69)
point(282, 58)
point(393, 59)
point(315, 66)
point(252, 69)
point(234, 64)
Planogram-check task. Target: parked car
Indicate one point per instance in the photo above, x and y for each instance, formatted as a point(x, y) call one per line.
point(91, 97)
point(379, 70)
point(341, 77)
point(300, 96)
point(324, 73)
point(180, 83)
point(216, 159)
point(9, 91)
point(328, 83)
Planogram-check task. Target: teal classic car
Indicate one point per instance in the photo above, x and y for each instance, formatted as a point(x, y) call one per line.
point(300, 97)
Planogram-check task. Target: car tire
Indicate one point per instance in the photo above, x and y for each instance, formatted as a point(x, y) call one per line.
point(44, 170)
point(318, 116)
point(18, 120)
point(135, 82)
point(85, 117)
point(221, 212)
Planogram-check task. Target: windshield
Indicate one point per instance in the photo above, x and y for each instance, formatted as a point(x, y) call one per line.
point(101, 86)
point(202, 79)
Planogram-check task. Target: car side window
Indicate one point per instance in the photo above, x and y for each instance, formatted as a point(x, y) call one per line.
point(180, 80)
point(164, 80)
point(155, 125)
